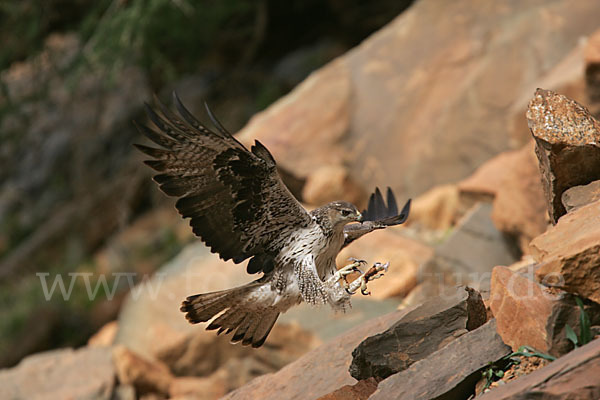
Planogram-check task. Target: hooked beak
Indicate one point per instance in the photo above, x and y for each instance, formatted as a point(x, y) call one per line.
point(359, 217)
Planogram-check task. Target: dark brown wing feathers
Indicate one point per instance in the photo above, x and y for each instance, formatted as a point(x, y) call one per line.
point(236, 202)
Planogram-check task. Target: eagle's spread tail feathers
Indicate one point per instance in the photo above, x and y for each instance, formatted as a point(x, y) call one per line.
point(237, 313)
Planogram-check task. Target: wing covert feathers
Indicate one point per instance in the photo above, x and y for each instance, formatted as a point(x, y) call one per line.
point(234, 198)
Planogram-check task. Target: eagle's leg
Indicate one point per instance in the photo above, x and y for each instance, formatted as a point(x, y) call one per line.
point(341, 273)
point(363, 279)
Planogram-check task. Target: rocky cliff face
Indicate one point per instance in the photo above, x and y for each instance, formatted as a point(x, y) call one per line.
point(437, 105)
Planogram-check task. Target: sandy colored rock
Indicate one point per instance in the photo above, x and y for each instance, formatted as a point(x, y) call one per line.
point(201, 388)
point(201, 354)
point(330, 183)
point(446, 121)
point(511, 180)
point(150, 318)
point(424, 291)
point(404, 255)
point(569, 253)
point(519, 208)
point(579, 196)
point(573, 376)
point(470, 252)
point(146, 376)
point(487, 179)
point(567, 145)
point(87, 373)
point(318, 372)
point(528, 313)
point(361, 390)
point(105, 336)
point(437, 208)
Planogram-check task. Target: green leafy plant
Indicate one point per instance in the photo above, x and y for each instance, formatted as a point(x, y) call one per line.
point(585, 329)
point(496, 371)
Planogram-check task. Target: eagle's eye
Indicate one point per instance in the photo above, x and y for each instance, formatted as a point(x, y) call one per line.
point(345, 213)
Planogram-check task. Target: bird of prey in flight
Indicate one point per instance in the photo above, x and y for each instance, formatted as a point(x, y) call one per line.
point(240, 208)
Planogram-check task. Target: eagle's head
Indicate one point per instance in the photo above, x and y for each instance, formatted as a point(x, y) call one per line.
point(342, 213)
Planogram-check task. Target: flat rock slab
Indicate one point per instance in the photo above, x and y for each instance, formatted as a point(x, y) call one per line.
point(318, 372)
point(418, 334)
point(472, 250)
point(449, 373)
point(567, 145)
point(87, 373)
point(574, 376)
point(579, 196)
point(569, 253)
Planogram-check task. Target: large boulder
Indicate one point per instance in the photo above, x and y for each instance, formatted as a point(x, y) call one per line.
point(569, 253)
point(530, 314)
point(87, 373)
point(399, 113)
point(567, 145)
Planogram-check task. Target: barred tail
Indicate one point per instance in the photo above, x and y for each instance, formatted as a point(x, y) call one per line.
point(252, 323)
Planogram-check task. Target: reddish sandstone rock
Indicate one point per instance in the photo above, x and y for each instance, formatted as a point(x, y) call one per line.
point(567, 145)
point(569, 253)
point(528, 313)
point(359, 391)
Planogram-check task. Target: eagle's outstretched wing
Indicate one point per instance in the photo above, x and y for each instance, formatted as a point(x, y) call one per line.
point(236, 200)
point(378, 215)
